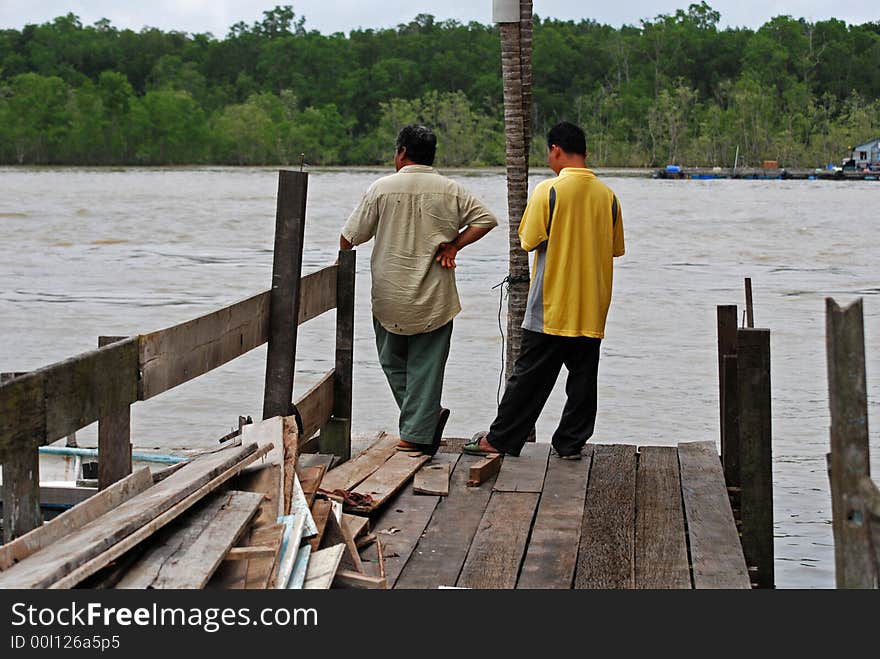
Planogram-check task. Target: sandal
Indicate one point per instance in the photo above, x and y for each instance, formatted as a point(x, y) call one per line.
point(473, 447)
point(410, 447)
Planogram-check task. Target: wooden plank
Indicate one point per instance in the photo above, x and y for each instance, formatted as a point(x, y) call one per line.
point(402, 522)
point(265, 433)
point(336, 437)
point(290, 435)
point(293, 532)
point(306, 460)
point(484, 469)
point(317, 293)
point(605, 559)
point(525, 473)
point(499, 544)
point(551, 558)
point(61, 558)
point(248, 553)
point(21, 492)
point(285, 293)
point(755, 441)
point(316, 406)
point(432, 479)
point(260, 573)
point(356, 524)
point(443, 547)
point(265, 479)
point(118, 549)
point(310, 479)
point(300, 567)
point(349, 474)
point(349, 579)
point(188, 552)
point(75, 518)
point(661, 559)
point(730, 448)
point(716, 555)
point(856, 565)
point(63, 496)
point(321, 512)
point(334, 534)
point(388, 479)
point(22, 412)
point(300, 508)
point(322, 568)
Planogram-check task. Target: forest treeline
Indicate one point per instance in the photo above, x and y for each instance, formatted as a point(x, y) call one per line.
point(673, 89)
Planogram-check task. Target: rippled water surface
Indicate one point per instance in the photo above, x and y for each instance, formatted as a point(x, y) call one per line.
point(122, 252)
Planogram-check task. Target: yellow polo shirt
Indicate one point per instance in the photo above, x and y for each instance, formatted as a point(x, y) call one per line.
point(410, 213)
point(573, 269)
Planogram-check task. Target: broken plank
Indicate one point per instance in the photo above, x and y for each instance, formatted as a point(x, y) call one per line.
point(298, 577)
point(357, 524)
point(75, 518)
point(605, 559)
point(443, 547)
point(349, 579)
point(188, 552)
point(661, 559)
point(716, 554)
point(293, 532)
point(484, 469)
point(300, 508)
point(349, 474)
point(526, 472)
point(322, 510)
point(144, 531)
point(388, 479)
point(322, 567)
point(551, 558)
point(310, 479)
point(432, 479)
point(335, 534)
point(261, 572)
point(496, 552)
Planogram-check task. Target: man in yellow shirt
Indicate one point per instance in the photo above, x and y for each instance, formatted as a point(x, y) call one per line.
point(574, 225)
point(420, 220)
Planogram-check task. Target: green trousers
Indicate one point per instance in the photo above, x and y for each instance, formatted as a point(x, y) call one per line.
point(414, 366)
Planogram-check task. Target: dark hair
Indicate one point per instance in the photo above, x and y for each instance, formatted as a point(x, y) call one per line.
point(420, 142)
point(568, 137)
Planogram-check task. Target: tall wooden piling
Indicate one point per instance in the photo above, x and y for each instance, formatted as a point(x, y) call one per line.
point(727, 392)
point(856, 528)
point(284, 297)
point(114, 438)
point(755, 453)
point(336, 435)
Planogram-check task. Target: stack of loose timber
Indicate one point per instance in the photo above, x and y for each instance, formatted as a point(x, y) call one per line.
point(179, 528)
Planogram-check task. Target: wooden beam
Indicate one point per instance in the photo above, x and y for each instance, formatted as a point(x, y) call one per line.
point(333, 534)
point(22, 412)
point(727, 322)
point(716, 554)
point(284, 297)
point(756, 455)
point(260, 573)
point(114, 438)
point(856, 564)
point(484, 470)
point(20, 492)
point(186, 554)
point(730, 447)
point(349, 579)
point(317, 293)
point(349, 474)
point(661, 560)
point(551, 559)
point(310, 479)
point(248, 553)
point(75, 518)
point(605, 559)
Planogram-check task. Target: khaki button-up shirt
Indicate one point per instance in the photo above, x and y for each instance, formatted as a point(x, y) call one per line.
point(410, 214)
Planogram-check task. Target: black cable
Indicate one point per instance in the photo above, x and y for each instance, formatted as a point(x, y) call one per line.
point(507, 280)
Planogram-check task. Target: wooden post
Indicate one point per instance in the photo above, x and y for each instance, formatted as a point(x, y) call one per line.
point(114, 438)
point(727, 325)
point(750, 311)
point(284, 298)
point(755, 453)
point(730, 445)
point(856, 565)
point(336, 435)
point(21, 486)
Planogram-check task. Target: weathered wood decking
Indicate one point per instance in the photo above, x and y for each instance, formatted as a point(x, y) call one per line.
point(622, 517)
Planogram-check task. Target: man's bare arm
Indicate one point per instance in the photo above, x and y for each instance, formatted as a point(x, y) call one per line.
point(447, 252)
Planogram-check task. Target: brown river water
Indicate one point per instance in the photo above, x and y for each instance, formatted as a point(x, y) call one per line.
point(128, 251)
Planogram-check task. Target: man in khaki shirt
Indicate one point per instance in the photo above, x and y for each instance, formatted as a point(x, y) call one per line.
point(420, 220)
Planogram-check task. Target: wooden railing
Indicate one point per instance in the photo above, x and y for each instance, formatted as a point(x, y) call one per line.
point(855, 497)
point(42, 406)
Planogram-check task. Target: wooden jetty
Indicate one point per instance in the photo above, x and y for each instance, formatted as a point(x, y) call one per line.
point(285, 505)
point(761, 173)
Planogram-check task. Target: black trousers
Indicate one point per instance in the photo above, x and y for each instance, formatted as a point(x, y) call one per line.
point(534, 373)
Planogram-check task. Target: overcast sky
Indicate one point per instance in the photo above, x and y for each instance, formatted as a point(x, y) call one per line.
point(343, 15)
